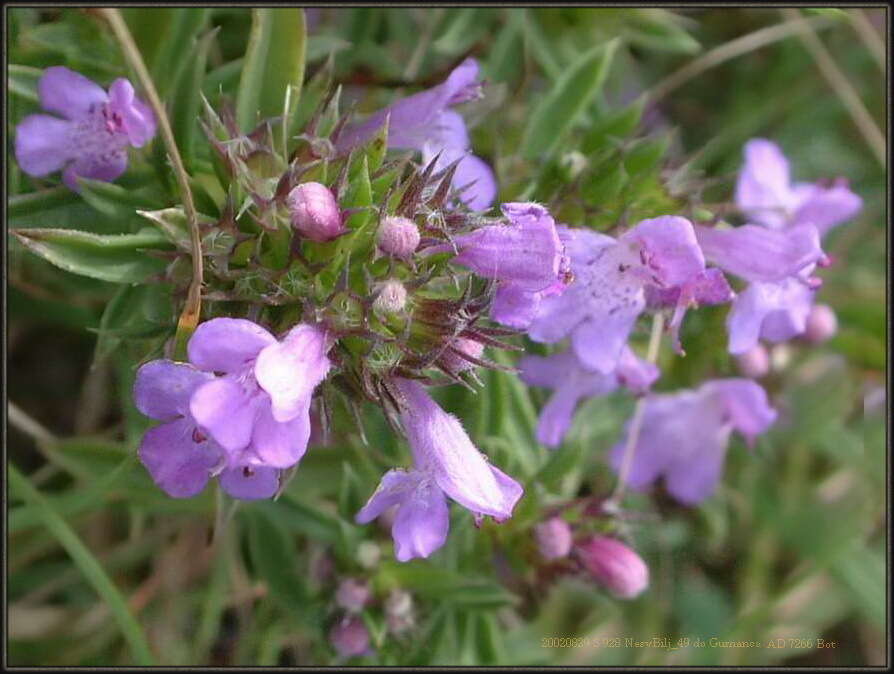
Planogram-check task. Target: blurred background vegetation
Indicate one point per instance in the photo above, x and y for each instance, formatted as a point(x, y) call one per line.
point(104, 569)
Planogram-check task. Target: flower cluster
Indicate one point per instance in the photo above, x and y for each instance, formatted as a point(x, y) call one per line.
point(340, 271)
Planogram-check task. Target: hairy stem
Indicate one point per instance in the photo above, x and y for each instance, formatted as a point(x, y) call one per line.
point(189, 318)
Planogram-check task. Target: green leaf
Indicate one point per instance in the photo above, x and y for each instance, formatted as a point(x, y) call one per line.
point(658, 29)
point(643, 156)
point(119, 258)
point(446, 586)
point(617, 126)
point(36, 202)
point(186, 97)
point(88, 565)
point(134, 311)
point(22, 81)
point(862, 573)
point(274, 556)
point(171, 40)
point(115, 201)
point(274, 60)
point(569, 97)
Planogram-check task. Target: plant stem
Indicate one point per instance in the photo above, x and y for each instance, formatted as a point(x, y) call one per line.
point(842, 87)
point(189, 318)
point(636, 421)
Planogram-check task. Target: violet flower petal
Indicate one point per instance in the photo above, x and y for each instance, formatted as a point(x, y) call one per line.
point(42, 144)
point(258, 482)
point(669, 249)
point(162, 388)
point(442, 449)
point(68, 93)
point(106, 167)
point(763, 190)
point(774, 311)
point(825, 207)
point(421, 522)
point(290, 370)
point(226, 411)
point(756, 253)
point(281, 444)
point(178, 465)
point(227, 344)
point(137, 118)
point(393, 488)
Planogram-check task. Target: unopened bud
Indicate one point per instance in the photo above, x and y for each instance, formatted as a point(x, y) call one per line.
point(352, 595)
point(614, 565)
point(754, 363)
point(821, 324)
point(314, 211)
point(553, 538)
point(399, 611)
point(392, 297)
point(350, 637)
point(398, 236)
point(368, 554)
point(470, 347)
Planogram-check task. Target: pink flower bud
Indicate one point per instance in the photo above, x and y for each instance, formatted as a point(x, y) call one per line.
point(821, 324)
point(315, 213)
point(399, 614)
point(350, 637)
point(614, 565)
point(553, 538)
point(398, 236)
point(352, 595)
point(392, 297)
point(754, 363)
point(457, 363)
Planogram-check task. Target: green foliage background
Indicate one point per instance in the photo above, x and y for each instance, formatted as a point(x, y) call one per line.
point(103, 569)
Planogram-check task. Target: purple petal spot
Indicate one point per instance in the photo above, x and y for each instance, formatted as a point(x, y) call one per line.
point(178, 464)
point(226, 411)
point(250, 483)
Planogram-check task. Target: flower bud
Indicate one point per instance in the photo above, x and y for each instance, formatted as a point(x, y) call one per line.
point(392, 297)
point(350, 637)
point(314, 211)
point(398, 236)
point(457, 363)
point(368, 554)
point(352, 595)
point(754, 363)
point(614, 565)
point(821, 324)
point(553, 538)
point(399, 611)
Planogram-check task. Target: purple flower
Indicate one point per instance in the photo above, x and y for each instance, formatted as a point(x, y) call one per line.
point(614, 565)
point(765, 194)
point(91, 139)
point(598, 310)
point(684, 436)
point(526, 257)
point(776, 259)
point(178, 454)
point(350, 638)
point(446, 463)
point(571, 381)
point(260, 407)
point(425, 123)
point(822, 324)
